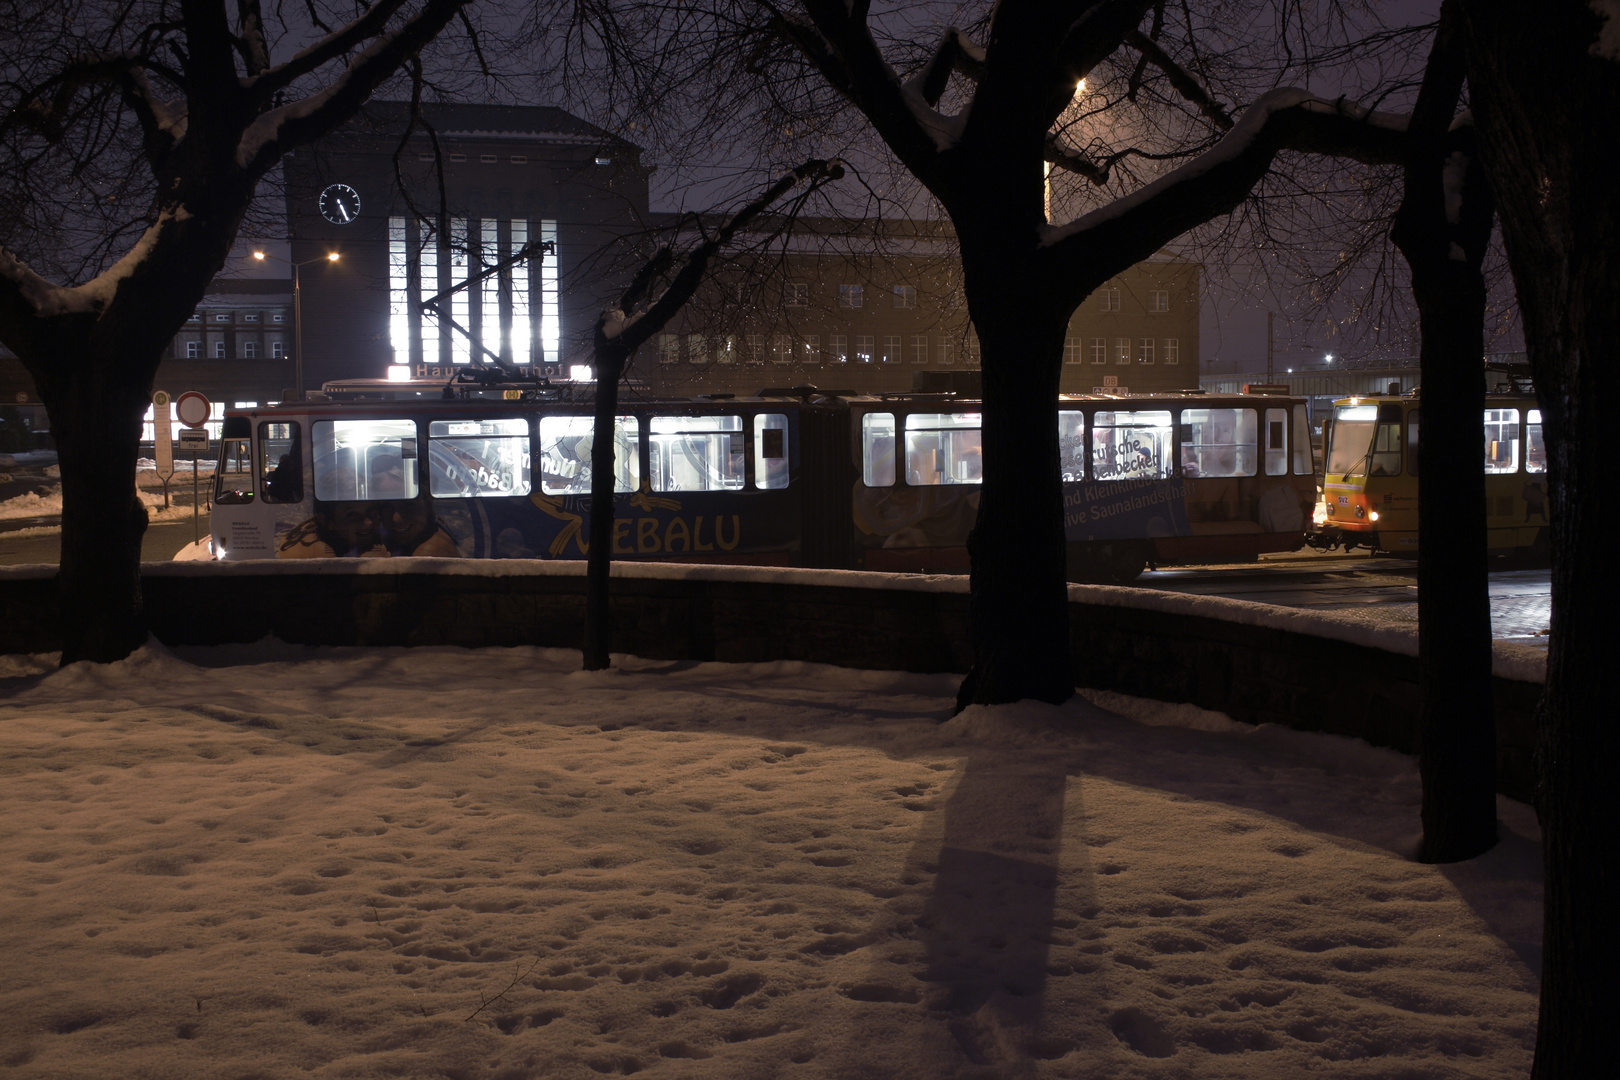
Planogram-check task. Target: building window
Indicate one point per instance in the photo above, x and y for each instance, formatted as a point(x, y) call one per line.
point(458, 157)
point(945, 352)
point(194, 317)
point(725, 349)
point(1159, 300)
point(812, 348)
point(756, 348)
point(278, 317)
point(486, 159)
point(970, 350)
point(252, 316)
point(222, 318)
point(193, 350)
point(1144, 351)
point(796, 294)
point(919, 348)
point(697, 349)
point(1172, 350)
point(1109, 299)
point(1122, 350)
point(1073, 351)
point(891, 348)
point(837, 349)
point(863, 348)
point(1099, 350)
point(250, 350)
point(277, 350)
point(850, 296)
point(782, 349)
point(219, 350)
point(519, 159)
point(905, 296)
point(669, 348)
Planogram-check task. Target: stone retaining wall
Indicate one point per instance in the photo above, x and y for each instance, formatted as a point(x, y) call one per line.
point(1219, 655)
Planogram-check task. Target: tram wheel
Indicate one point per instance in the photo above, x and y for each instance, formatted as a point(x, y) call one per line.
point(1124, 563)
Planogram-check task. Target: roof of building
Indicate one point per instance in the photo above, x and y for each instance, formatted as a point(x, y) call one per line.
point(531, 123)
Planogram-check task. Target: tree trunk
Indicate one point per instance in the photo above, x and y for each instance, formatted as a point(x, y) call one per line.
point(95, 409)
point(1445, 248)
point(1019, 608)
point(610, 361)
point(1547, 108)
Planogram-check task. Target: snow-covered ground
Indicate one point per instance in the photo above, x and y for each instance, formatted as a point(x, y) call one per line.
point(43, 478)
point(275, 861)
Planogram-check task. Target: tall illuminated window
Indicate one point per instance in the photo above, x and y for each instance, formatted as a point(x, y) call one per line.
point(500, 311)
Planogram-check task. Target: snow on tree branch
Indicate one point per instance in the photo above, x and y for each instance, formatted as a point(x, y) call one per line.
point(47, 299)
point(1185, 85)
point(345, 39)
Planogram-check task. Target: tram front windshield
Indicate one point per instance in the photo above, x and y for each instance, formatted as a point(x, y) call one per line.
point(1353, 429)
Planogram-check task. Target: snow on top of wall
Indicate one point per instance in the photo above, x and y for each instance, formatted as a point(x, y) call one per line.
point(1510, 660)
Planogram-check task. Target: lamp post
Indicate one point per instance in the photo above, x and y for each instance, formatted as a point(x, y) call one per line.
point(298, 314)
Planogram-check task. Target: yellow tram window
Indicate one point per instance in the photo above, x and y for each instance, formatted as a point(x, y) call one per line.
point(1350, 441)
point(770, 451)
point(1072, 444)
point(877, 449)
point(943, 448)
point(565, 454)
point(1220, 442)
point(1412, 429)
point(696, 453)
point(1535, 447)
point(1501, 441)
point(281, 459)
point(478, 457)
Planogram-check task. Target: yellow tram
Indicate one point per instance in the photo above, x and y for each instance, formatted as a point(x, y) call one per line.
point(1370, 474)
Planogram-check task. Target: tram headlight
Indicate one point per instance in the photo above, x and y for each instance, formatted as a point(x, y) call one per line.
point(1373, 516)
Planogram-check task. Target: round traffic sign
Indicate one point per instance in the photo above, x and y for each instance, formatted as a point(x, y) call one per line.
point(192, 408)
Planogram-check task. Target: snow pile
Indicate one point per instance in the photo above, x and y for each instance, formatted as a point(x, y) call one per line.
point(277, 861)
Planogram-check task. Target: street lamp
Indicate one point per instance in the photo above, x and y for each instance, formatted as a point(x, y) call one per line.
point(298, 314)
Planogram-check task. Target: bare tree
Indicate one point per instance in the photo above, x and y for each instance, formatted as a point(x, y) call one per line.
point(978, 116)
point(1544, 82)
point(657, 293)
point(133, 138)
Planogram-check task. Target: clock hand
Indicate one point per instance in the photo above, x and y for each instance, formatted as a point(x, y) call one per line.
point(343, 209)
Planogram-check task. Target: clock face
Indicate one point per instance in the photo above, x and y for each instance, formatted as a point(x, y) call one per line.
point(340, 204)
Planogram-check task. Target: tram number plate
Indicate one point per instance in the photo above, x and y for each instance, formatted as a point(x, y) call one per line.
point(1344, 500)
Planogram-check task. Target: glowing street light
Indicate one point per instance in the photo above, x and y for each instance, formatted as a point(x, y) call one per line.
point(298, 314)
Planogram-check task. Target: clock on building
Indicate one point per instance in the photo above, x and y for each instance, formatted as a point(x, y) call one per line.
point(340, 204)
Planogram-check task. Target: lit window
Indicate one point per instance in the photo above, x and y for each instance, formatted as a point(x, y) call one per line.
point(696, 453)
point(565, 454)
point(770, 451)
point(812, 348)
point(905, 296)
point(863, 348)
point(1501, 440)
point(478, 458)
point(1219, 442)
point(850, 296)
point(943, 448)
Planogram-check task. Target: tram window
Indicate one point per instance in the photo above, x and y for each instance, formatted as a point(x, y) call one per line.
point(1276, 442)
point(233, 476)
point(877, 449)
point(1350, 439)
point(944, 448)
point(1218, 442)
point(770, 451)
point(471, 458)
point(696, 453)
point(281, 456)
point(1412, 430)
point(1386, 449)
point(1535, 448)
point(1130, 445)
point(1303, 465)
point(1072, 444)
point(565, 454)
point(364, 460)
point(1501, 440)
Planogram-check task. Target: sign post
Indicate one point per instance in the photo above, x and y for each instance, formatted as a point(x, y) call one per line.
point(162, 441)
point(193, 409)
